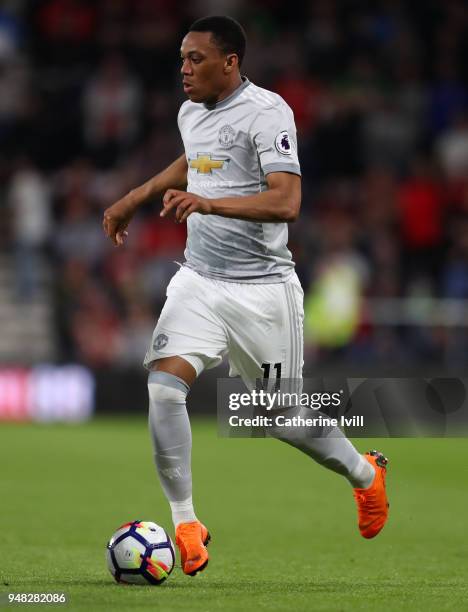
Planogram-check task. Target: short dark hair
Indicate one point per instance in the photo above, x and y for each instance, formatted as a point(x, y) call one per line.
point(227, 33)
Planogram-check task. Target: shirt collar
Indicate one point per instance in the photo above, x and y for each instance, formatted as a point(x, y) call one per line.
point(225, 101)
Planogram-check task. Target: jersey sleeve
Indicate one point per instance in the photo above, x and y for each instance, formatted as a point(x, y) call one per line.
point(273, 133)
point(181, 116)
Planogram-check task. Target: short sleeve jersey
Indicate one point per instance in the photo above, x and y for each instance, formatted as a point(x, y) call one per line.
point(231, 147)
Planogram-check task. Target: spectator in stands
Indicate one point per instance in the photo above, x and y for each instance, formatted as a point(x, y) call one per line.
point(452, 148)
point(29, 200)
point(421, 224)
point(111, 107)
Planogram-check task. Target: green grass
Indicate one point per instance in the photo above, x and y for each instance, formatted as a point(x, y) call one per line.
point(284, 530)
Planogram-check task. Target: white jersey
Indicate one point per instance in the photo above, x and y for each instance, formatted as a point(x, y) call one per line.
point(230, 148)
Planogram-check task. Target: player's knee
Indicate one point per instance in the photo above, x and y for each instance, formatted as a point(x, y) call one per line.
point(164, 388)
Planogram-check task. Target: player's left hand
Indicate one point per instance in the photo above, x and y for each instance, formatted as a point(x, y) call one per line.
point(184, 203)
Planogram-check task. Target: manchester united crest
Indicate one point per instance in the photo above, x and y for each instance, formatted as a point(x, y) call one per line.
point(226, 136)
point(160, 342)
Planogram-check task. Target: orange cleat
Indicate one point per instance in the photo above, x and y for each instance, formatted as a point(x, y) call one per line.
point(372, 502)
point(192, 540)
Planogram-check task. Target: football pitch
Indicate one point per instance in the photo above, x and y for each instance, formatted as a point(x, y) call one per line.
point(284, 530)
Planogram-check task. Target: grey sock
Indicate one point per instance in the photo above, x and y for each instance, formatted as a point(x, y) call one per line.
point(326, 445)
point(172, 441)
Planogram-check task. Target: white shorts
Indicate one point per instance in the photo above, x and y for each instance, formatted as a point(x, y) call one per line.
point(258, 326)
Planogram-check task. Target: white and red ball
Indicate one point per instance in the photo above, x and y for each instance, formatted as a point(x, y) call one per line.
point(140, 552)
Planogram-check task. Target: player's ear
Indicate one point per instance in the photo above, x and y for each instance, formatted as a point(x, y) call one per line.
point(231, 62)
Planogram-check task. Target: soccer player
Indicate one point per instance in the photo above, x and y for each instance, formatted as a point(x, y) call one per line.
point(237, 186)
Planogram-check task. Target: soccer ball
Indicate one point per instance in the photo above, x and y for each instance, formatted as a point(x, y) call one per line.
point(140, 552)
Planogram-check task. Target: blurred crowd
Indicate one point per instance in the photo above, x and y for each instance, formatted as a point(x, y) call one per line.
point(89, 94)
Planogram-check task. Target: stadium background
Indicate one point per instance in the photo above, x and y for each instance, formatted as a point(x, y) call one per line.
point(89, 93)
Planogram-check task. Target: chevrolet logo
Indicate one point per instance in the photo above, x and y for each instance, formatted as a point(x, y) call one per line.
point(204, 164)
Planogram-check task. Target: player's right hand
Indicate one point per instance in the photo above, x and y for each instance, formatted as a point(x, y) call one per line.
point(116, 220)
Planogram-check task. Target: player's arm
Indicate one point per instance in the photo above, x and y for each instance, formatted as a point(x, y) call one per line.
point(118, 216)
point(280, 202)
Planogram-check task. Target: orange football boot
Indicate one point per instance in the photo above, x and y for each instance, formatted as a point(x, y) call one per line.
point(372, 502)
point(192, 540)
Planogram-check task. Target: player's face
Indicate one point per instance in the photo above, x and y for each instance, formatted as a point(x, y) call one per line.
point(203, 70)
